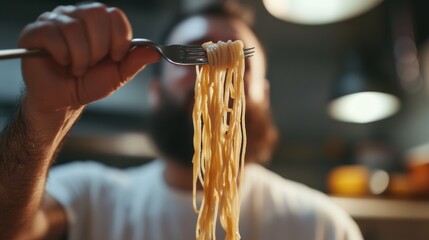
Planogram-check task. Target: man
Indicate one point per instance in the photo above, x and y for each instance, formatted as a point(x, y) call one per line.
point(90, 59)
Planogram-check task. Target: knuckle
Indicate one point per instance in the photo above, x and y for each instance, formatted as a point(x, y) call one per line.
point(71, 25)
point(98, 5)
point(112, 9)
point(90, 4)
point(59, 8)
point(116, 12)
point(93, 10)
point(68, 9)
point(44, 16)
point(25, 35)
point(121, 23)
point(45, 28)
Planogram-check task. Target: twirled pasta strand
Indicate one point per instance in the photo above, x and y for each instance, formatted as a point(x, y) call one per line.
point(219, 138)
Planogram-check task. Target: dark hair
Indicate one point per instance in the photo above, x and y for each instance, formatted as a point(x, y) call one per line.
point(226, 9)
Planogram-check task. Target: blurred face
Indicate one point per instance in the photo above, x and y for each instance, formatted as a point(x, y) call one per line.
point(173, 129)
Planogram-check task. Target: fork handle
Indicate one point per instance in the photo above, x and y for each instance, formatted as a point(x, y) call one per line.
point(21, 52)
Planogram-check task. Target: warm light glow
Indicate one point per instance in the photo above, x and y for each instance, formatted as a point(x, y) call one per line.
point(379, 182)
point(317, 11)
point(364, 107)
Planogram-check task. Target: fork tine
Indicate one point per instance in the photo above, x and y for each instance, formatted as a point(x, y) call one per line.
point(203, 55)
point(196, 54)
point(249, 50)
point(204, 58)
point(194, 47)
point(199, 49)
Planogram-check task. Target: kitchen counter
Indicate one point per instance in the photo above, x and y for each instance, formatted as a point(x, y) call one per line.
point(388, 219)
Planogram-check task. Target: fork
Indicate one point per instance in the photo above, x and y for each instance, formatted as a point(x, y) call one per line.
point(175, 54)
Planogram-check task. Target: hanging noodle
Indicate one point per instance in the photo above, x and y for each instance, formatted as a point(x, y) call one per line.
point(219, 138)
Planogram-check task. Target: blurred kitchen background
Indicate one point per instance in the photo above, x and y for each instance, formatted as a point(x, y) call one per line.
point(373, 158)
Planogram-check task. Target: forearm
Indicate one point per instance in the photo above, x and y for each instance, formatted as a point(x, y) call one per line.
point(28, 146)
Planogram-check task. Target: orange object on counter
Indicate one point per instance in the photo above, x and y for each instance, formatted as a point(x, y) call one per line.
point(401, 186)
point(351, 180)
point(419, 177)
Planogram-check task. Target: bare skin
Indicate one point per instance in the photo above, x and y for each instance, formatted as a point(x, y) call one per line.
point(91, 58)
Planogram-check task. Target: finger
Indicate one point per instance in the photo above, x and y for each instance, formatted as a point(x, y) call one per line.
point(136, 60)
point(46, 35)
point(121, 34)
point(96, 21)
point(74, 34)
point(64, 10)
point(108, 76)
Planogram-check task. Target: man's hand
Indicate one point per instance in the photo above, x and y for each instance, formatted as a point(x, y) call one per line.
point(90, 57)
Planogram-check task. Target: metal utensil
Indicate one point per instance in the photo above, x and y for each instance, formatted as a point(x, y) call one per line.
point(175, 54)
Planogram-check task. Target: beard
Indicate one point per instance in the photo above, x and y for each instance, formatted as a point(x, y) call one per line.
point(172, 130)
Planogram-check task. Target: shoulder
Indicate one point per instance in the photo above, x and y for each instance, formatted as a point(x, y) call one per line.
point(78, 168)
point(93, 171)
point(292, 202)
point(259, 178)
point(281, 193)
point(78, 171)
point(79, 180)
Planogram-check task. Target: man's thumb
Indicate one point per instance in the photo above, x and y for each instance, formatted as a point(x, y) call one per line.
point(136, 59)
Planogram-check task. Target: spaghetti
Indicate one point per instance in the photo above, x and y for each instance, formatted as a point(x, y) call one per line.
point(219, 138)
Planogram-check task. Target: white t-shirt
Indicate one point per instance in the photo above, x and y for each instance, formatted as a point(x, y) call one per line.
point(105, 203)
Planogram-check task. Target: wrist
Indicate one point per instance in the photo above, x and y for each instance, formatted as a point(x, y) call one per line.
point(53, 123)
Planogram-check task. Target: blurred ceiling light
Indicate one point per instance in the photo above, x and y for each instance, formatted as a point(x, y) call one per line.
point(318, 11)
point(362, 94)
point(364, 107)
